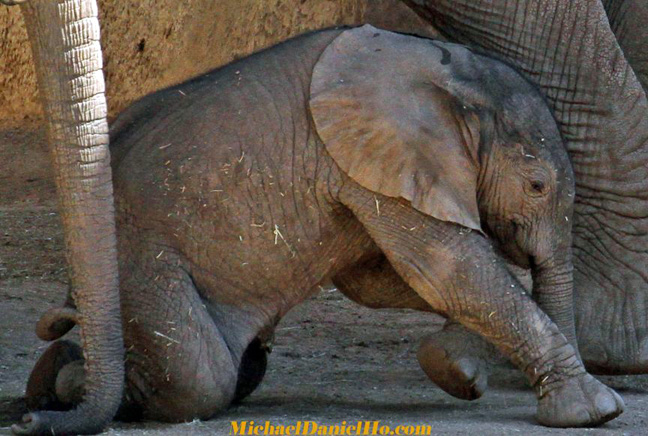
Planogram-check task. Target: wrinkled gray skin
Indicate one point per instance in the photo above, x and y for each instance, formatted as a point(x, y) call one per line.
point(589, 59)
point(230, 212)
point(64, 36)
point(628, 20)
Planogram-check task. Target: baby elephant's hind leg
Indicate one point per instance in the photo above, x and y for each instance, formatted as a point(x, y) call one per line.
point(49, 385)
point(178, 365)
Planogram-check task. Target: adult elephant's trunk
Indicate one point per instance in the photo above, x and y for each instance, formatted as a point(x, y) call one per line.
point(64, 36)
point(568, 49)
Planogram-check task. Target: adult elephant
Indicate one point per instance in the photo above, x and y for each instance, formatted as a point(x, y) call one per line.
point(628, 20)
point(570, 51)
point(64, 36)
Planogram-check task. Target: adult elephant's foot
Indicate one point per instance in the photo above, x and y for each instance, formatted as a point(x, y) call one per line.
point(611, 324)
point(580, 401)
point(51, 382)
point(457, 361)
point(601, 355)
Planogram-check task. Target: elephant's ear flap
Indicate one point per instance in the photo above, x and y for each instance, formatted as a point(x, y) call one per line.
point(380, 105)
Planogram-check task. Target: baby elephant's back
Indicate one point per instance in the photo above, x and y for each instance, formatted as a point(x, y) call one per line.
point(197, 141)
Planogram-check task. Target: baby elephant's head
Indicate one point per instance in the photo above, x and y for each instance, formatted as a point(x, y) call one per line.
point(525, 189)
point(461, 136)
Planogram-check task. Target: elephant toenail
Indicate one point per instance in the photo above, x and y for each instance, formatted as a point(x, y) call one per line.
point(608, 403)
point(468, 368)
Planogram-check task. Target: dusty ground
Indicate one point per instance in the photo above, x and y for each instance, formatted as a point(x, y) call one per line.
point(333, 361)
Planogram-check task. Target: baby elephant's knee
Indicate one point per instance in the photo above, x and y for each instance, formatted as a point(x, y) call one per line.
point(180, 391)
point(186, 400)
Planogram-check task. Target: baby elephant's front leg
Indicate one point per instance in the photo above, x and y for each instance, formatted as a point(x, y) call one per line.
point(459, 274)
point(499, 310)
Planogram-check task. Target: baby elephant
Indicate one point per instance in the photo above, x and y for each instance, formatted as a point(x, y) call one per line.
point(406, 170)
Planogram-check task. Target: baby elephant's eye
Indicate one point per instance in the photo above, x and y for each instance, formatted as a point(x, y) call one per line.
point(538, 186)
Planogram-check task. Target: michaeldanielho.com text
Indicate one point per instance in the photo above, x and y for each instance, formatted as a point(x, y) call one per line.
point(308, 428)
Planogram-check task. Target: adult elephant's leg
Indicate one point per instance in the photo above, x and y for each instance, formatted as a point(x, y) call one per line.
point(628, 20)
point(459, 274)
point(64, 36)
point(568, 49)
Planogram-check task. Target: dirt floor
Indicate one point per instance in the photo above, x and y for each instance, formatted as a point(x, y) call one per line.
point(333, 360)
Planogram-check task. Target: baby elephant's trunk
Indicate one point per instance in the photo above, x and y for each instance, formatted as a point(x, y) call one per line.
point(553, 287)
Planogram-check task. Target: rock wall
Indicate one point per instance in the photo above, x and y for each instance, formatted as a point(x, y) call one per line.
point(151, 44)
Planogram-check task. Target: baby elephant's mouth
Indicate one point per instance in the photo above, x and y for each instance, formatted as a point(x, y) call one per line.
point(514, 255)
point(508, 248)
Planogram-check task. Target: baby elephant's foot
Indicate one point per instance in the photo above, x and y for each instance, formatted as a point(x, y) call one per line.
point(52, 375)
point(581, 401)
point(451, 366)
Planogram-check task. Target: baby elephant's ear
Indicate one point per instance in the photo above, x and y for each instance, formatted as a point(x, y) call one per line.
point(380, 103)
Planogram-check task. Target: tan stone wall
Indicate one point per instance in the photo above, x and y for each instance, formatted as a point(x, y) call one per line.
point(151, 44)
point(17, 77)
